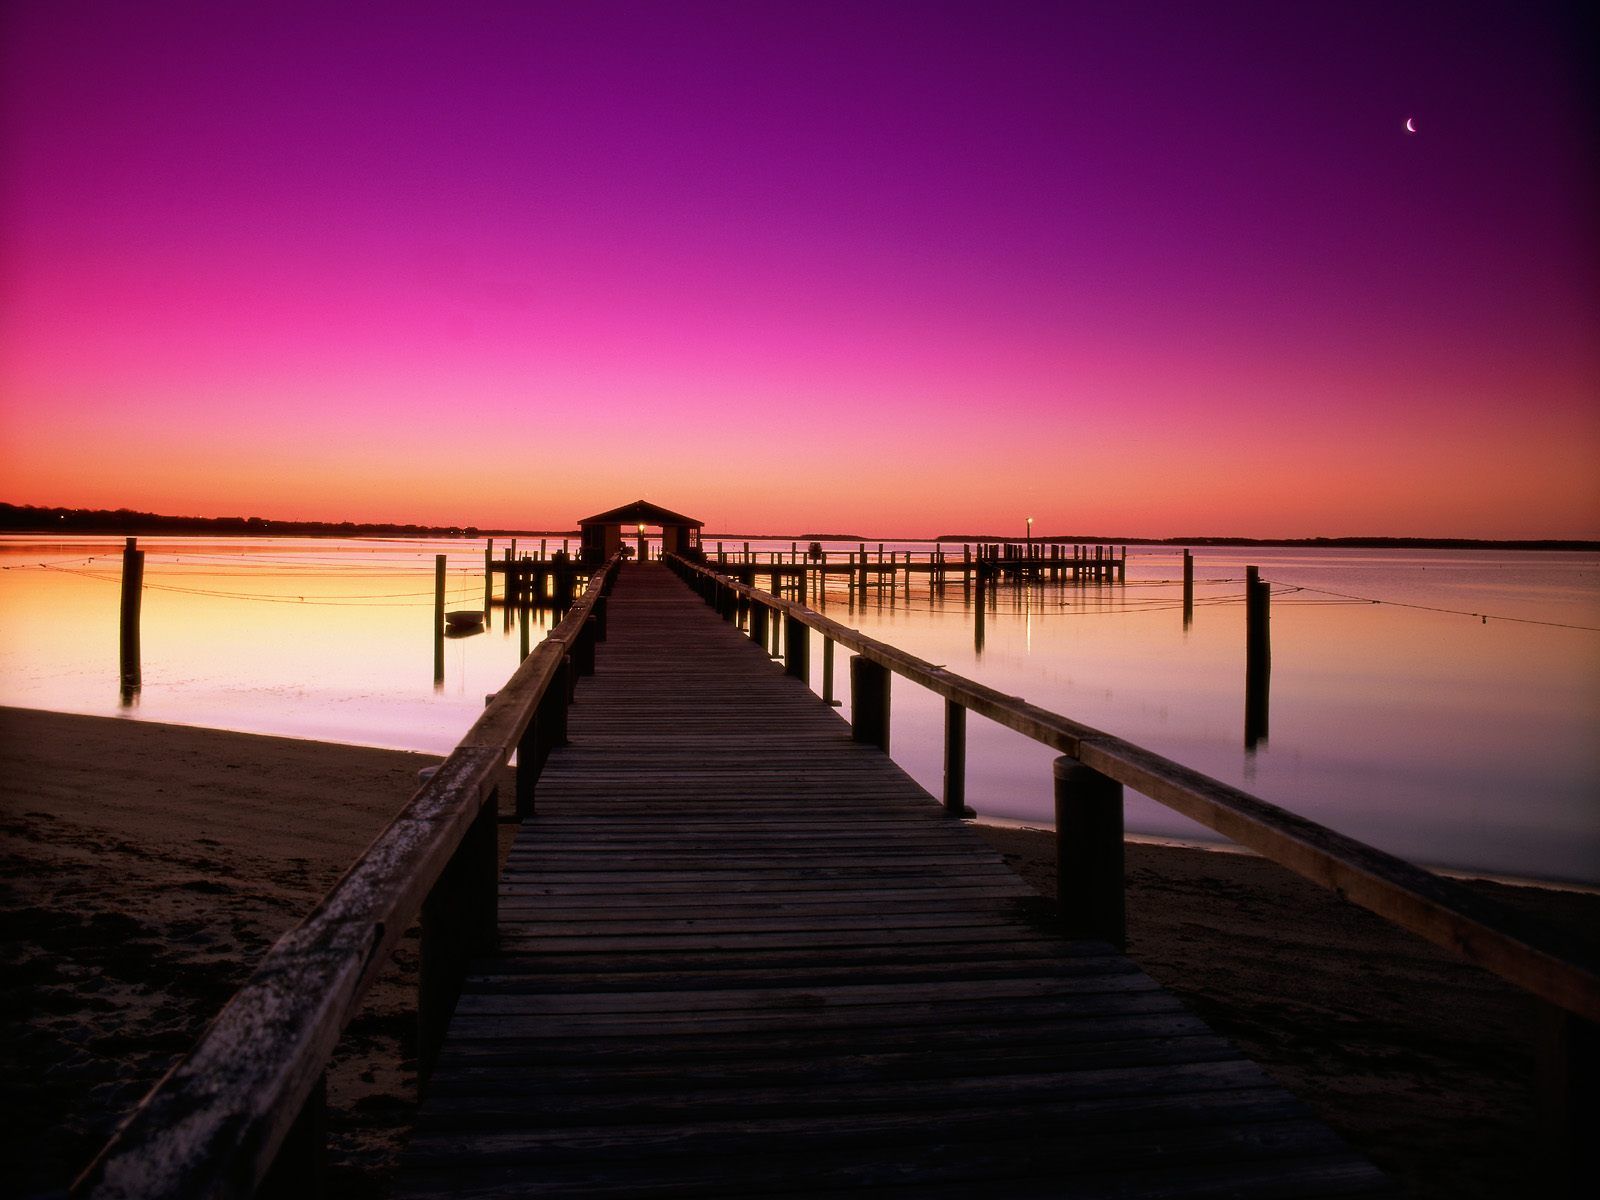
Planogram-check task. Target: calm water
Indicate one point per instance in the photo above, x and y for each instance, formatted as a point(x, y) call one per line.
point(1445, 738)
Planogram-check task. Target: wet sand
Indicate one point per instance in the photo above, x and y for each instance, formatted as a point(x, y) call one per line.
point(145, 868)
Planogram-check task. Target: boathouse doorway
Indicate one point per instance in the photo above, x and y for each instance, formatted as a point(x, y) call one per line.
point(603, 533)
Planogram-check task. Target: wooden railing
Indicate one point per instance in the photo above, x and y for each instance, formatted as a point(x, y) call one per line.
point(244, 1109)
point(1089, 779)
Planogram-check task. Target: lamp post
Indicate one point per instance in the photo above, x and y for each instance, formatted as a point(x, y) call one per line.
point(1030, 537)
point(641, 541)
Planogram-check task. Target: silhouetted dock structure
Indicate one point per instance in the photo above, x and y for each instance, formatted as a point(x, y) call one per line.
point(737, 951)
point(742, 953)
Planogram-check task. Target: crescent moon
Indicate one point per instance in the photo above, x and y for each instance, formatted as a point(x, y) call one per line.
point(1411, 124)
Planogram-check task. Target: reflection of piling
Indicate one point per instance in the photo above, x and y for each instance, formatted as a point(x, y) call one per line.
point(1188, 589)
point(1258, 656)
point(438, 618)
point(132, 592)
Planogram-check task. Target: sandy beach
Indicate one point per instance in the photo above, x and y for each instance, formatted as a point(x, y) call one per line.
point(146, 867)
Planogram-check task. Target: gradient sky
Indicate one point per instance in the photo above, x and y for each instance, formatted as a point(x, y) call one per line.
point(1142, 269)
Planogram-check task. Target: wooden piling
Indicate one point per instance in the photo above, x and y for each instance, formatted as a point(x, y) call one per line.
point(1089, 861)
point(132, 598)
point(869, 702)
point(1258, 656)
point(1188, 589)
point(438, 618)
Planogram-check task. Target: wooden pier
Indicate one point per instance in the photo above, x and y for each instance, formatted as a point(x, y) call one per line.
point(737, 951)
point(742, 953)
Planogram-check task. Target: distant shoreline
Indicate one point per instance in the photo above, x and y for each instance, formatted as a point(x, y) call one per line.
point(16, 518)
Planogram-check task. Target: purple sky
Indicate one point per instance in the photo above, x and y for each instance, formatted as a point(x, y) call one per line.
point(1139, 268)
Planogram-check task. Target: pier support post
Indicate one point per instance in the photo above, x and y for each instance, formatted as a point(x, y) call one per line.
point(797, 649)
point(132, 597)
point(1089, 867)
point(955, 759)
point(869, 702)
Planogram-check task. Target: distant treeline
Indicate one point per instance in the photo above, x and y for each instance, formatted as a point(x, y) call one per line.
point(20, 518)
point(16, 518)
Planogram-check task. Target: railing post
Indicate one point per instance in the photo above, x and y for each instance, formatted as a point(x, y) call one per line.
point(299, 1171)
point(1568, 1101)
point(458, 921)
point(1089, 871)
point(530, 759)
point(583, 647)
point(550, 718)
point(758, 623)
point(955, 759)
point(796, 649)
point(827, 672)
point(869, 702)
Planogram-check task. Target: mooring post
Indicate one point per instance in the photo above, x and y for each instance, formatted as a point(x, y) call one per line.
point(132, 595)
point(1188, 589)
point(438, 618)
point(955, 759)
point(797, 649)
point(869, 702)
point(1258, 656)
point(1089, 867)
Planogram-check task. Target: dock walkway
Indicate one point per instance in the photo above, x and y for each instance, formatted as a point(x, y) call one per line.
point(742, 954)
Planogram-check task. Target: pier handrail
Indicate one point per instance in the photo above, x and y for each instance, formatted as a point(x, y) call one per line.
point(252, 1085)
point(1522, 951)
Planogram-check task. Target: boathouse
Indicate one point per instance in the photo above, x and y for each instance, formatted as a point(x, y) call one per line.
point(603, 533)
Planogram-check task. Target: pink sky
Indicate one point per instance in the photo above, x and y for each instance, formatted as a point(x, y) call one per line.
point(1143, 269)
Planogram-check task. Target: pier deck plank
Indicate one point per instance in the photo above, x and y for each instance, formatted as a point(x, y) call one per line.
point(741, 954)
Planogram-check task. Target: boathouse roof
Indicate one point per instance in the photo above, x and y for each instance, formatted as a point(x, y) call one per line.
point(641, 512)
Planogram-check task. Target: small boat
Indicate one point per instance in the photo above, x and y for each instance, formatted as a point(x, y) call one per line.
point(464, 618)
